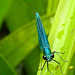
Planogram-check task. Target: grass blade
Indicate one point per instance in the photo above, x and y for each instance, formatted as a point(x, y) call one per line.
point(62, 36)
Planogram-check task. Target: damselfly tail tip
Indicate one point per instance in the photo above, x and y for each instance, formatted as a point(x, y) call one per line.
point(36, 13)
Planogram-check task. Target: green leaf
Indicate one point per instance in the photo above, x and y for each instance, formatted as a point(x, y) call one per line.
point(71, 69)
point(4, 6)
point(4, 67)
point(21, 42)
point(52, 6)
point(31, 62)
point(62, 36)
point(23, 11)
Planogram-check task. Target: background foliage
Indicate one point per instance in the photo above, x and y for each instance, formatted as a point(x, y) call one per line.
point(19, 47)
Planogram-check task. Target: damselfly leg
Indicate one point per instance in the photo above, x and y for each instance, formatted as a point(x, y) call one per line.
point(59, 65)
point(43, 66)
point(59, 55)
point(48, 69)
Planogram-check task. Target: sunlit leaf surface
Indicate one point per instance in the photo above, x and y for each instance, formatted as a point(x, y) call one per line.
point(62, 36)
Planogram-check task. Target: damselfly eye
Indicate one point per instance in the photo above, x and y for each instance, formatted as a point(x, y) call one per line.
point(44, 57)
point(52, 56)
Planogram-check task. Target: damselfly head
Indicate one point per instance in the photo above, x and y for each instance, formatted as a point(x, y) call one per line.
point(44, 57)
point(52, 56)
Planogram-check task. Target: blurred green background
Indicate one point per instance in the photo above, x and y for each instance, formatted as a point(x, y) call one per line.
point(19, 46)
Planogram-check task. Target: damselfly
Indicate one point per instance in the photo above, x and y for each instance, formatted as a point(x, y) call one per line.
point(44, 45)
